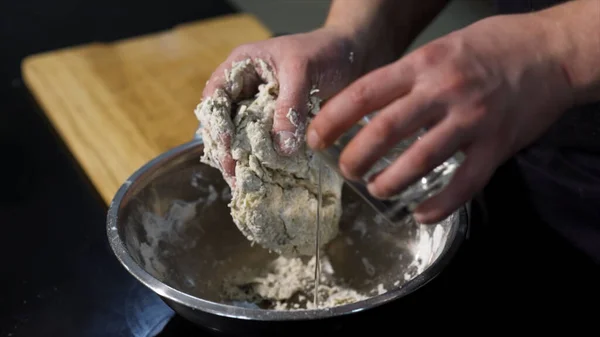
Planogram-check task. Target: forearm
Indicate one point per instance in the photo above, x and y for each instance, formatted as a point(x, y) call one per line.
point(382, 28)
point(575, 27)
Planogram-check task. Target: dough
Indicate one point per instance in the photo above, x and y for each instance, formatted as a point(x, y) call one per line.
point(274, 200)
point(288, 284)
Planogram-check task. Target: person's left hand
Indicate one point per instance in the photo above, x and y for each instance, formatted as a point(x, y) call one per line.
point(488, 90)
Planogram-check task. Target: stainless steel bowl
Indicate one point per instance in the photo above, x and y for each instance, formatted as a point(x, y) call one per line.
point(169, 225)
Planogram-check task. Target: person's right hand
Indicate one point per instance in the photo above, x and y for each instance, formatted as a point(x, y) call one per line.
point(326, 59)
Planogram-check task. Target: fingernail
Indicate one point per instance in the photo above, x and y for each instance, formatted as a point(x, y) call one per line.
point(344, 170)
point(347, 174)
point(374, 191)
point(419, 217)
point(286, 142)
point(313, 140)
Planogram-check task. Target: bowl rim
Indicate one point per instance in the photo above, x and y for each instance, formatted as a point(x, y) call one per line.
point(457, 236)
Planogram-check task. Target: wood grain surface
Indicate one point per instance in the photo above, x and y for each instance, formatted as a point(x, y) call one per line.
point(119, 105)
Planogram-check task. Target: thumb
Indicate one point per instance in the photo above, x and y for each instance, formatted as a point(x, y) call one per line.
point(291, 109)
point(222, 79)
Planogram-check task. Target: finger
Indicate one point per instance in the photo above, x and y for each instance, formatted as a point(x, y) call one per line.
point(217, 133)
point(228, 164)
point(217, 79)
point(249, 78)
point(291, 109)
point(428, 152)
point(472, 176)
point(227, 161)
point(371, 92)
point(397, 121)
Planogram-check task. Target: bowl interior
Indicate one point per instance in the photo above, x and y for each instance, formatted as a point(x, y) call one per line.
point(174, 222)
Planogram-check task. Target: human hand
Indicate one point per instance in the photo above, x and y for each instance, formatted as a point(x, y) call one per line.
point(487, 90)
point(322, 59)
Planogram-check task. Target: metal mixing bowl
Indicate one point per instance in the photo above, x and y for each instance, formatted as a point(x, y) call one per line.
point(170, 227)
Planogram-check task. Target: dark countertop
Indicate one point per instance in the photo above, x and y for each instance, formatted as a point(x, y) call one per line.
point(61, 280)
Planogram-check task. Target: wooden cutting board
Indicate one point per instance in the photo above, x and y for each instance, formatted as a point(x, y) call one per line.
point(119, 105)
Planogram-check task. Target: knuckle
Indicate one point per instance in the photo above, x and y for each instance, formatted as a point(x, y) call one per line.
point(466, 121)
point(383, 127)
point(456, 80)
point(359, 95)
point(431, 54)
point(453, 83)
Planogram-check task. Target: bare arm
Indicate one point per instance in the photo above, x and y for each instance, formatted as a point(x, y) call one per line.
point(575, 28)
point(385, 27)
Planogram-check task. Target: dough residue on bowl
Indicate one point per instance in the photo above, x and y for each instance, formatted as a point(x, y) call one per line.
point(287, 283)
point(274, 200)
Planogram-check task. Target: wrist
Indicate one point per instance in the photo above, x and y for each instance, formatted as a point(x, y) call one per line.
point(372, 44)
point(373, 28)
point(574, 42)
point(382, 30)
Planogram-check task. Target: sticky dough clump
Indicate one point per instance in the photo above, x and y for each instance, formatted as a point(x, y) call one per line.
point(274, 200)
